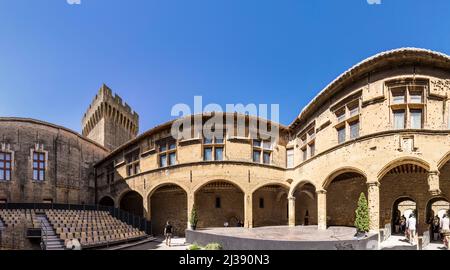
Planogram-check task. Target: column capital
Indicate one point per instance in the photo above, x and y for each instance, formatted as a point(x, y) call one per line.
point(291, 198)
point(373, 184)
point(321, 191)
point(431, 173)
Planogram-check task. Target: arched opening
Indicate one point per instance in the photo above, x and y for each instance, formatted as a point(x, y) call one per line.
point(270, 206)
point(106, 201)
point(218, 204)
point(132, 202)
point(305, 205)
point(436, 209)
point(402, 209)
point(343, 193)
point(168, 203)
point(407, 180)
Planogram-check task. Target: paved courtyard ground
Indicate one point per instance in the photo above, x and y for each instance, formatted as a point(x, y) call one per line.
point(299, 233)
point(159, 244)
point(399, 242)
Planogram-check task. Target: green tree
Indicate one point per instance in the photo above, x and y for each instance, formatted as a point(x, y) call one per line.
point(194, 218)
point(362, 214)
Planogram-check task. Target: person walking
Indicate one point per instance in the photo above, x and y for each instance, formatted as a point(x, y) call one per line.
point(168, 233)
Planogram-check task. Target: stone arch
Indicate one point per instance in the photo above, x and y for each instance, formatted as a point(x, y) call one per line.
point(107, 201)
point(168, 202)
point(305, 196)
point(232, 182)
point(405, 177)
point(443, 160)
point(299, 185)
point(344, 187)
point(402, 161)
point(132, 201)
point(219, 202)
point(270, 204)
point(270, 183)
point(347, 169)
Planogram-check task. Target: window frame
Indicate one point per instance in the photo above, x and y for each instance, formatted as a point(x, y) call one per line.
point(168, 150)
point(262, 150)
point(4, 167)
point(133, 166)
point(39, 168)
point(213, 144)
point(290, 157)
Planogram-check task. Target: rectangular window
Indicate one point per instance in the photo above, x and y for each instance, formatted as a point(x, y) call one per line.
point(257, 143)
point(172, 159)
point(110, 173)
point(261, 203)
point(38, 166)
point(398, 96)
point(354, 130)
point(340, 114)
point(399, 119)
point(415, 97)
point(218, 202)
point(416, 119)
point(266, 157)
point(257, 156)
point(341, 134)
point(207, 154)
point(163, 160)
point(218, 153)
point(312, 149)
point(290, 158)
point(167, 152)
point(304, 154)
point(5, 166)
point(132, 159)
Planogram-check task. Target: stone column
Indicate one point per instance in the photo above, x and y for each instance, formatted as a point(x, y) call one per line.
point(190, 206)
point(147, 208)
point(374, 205)
point(433, 183)
point(291, 211)
point(322, 209)
point(248, 211)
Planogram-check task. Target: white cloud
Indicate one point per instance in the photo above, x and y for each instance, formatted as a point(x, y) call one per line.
point(78, 2)
point(374, 2)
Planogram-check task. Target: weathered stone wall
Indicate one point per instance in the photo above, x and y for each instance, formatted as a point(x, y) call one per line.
point(169, 206)
point(342, 201)
point(70, 159)
point(274, 211)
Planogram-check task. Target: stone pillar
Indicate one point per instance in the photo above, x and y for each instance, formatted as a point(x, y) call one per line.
point(291, 211)
point(248, 211)
point(322, 209)
point(374, 205)
point(433, 183)
point(147, 208)
point(190, 206)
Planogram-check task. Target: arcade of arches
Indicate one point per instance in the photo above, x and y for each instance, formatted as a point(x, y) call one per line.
point(404, 187)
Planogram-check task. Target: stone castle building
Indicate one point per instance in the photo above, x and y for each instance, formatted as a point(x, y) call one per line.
point(382, 128)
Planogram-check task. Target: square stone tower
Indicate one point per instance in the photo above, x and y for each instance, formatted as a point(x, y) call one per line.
point(108, 121)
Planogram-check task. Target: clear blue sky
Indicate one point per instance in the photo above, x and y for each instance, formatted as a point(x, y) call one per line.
point(156, 53)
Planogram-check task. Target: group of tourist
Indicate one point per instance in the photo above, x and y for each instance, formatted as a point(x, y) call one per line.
point(439, 227)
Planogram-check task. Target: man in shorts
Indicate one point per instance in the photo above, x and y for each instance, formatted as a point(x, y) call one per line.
point(412, 223)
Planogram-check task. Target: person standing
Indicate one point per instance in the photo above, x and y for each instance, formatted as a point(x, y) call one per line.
point(412, 224)
point(445, 226)
point(168, 233)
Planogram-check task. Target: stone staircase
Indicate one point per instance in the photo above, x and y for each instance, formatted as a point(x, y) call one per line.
point(49, 237)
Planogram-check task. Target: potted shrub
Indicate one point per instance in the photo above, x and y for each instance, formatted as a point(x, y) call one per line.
point(194, 218)
point(362, 217)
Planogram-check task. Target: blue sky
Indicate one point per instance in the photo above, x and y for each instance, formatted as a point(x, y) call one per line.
point(156, 53)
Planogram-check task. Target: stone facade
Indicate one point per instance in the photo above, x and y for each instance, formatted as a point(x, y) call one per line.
point(374, 155)
point(69, 163)
point(382, 128)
